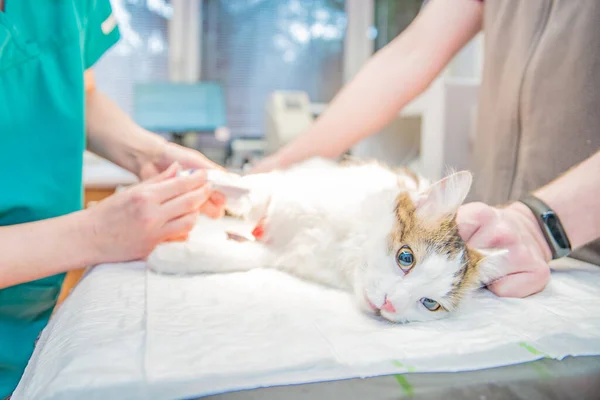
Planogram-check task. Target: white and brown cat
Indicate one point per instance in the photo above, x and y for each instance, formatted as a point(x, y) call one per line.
point(388, 237)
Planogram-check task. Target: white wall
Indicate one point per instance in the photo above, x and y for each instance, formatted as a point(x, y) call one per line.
point(399, 141)
point(468, 63)
point(185, 39)
point(358, 48)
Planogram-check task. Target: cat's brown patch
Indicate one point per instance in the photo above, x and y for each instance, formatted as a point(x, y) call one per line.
point(405, 214)
point(408, 228)
point(467, 278)
point(441, 237)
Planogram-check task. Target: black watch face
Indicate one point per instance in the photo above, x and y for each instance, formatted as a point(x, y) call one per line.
point(555, 229)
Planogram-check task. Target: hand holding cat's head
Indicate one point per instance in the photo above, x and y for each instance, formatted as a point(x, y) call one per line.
point(523, 268)
point(418, 267)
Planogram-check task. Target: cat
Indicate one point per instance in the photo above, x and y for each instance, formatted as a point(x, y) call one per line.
point(387, 236)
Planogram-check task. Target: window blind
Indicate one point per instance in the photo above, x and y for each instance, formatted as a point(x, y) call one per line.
point(253, 47)
point(142, 53)
point(392, 17)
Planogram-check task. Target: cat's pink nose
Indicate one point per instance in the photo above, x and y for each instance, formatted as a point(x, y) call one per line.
point(388, 306)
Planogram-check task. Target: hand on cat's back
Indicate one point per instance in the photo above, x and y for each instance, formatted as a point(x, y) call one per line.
point(514, 228)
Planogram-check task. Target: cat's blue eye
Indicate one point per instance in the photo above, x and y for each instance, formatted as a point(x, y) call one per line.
point(405, 258)
point(430, 304)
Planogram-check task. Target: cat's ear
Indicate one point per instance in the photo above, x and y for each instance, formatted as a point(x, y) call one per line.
point(443, 198)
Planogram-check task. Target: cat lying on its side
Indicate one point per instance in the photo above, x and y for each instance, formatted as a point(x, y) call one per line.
point(389, 237)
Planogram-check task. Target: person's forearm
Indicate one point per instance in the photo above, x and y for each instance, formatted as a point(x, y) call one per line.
point(38, 249)
point(390, 80)
point(116, 137)
point(574, 197)
point(367, 104)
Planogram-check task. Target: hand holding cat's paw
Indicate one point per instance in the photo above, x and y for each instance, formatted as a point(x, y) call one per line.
point(130, 224)
point(514, 228)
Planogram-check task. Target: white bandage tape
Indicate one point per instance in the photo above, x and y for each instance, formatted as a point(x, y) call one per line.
point(224, 182)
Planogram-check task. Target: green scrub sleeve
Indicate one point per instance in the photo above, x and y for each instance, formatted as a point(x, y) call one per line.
point(100, 32)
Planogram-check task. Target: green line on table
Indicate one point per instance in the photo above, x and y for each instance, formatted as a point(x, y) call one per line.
point(533, 350)
point(403, 382)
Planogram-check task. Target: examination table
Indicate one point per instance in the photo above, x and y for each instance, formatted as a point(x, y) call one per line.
point(127, 333)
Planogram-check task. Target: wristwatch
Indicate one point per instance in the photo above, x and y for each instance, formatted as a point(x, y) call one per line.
point(550, 224)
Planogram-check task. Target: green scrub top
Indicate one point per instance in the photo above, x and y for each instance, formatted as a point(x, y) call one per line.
point(45, 47)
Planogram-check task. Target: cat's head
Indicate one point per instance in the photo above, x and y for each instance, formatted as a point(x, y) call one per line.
point(417, 267)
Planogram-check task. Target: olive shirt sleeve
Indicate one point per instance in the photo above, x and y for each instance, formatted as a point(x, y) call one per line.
point(100, 31)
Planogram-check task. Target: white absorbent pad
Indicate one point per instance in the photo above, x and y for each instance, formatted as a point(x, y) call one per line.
point(127, 333)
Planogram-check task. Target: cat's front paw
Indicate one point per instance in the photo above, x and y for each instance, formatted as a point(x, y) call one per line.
point(189, 258)
point(173, 258)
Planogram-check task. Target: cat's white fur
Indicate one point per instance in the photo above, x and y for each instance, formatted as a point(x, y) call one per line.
point(331, 225)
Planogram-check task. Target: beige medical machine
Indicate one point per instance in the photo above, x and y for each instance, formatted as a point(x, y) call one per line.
point(288, 114)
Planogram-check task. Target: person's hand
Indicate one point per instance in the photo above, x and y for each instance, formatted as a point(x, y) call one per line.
point(515, 229)
point(170, 153)
point(130, 224)
point(188, 159)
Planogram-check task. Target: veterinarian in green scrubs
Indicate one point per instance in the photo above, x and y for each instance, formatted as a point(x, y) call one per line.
point(46, 47)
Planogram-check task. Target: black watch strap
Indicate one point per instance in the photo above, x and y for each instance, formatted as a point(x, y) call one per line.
point(555, 234)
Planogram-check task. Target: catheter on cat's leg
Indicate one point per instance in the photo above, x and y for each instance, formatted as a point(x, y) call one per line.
point(214, 253)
